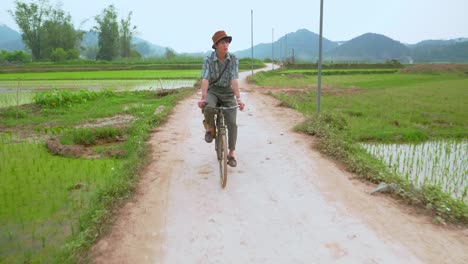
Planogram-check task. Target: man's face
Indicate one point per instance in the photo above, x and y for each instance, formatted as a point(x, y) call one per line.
point(222, 45)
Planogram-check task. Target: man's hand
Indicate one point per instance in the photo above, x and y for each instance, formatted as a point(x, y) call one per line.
point(201, 103)
point(240, 104)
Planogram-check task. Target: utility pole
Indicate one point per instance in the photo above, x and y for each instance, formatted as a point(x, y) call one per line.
point(272, 49)
point(286, 48)
point(319, 84)
point(251, 37)
point(293, 60)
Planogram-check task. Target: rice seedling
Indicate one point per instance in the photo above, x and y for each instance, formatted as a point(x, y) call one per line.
point(13, 98)
point(41, 197)
point(443, 163)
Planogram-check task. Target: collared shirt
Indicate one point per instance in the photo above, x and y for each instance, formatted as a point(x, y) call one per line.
point(212, 67)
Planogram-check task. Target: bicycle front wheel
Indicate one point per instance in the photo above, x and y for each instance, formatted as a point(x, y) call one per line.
point(222, 158)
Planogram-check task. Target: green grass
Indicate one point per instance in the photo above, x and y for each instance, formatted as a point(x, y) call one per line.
point(89, 136)
point(104, 75)
point(54, 207)
point(42, 198)
point(337, 71)
point(387, 107)
point(382, 108)
point(12, 98)
point(127, 102)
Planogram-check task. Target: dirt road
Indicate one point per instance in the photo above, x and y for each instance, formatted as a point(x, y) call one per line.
point(284, 203)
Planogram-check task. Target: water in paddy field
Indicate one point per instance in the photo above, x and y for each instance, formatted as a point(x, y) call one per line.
point(12, 92)
point(443, 163)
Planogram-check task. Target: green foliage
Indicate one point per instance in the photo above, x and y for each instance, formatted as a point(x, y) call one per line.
point(169, 54)
point(126, 34)
point(45, 29)
point(107, 75)
point(14, 112)
point(332, 140)
point(29, 19)
point(108, 29)
point(58, 33)
point(387, 108)
point(89, 136)
point(60, 98)
point(43, 198)
point(58, 54)
point(384, 107)
point(389, 64)
point(457, 52)
point(54, 207)
point(14, 56)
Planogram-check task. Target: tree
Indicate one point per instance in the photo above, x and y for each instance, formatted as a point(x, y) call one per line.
point(44, 29)
point(58, 32)
point(108, 30)
point(30, 19)
point(126, 34)
point(14, 56)
point(58, 55)
point(169, 54)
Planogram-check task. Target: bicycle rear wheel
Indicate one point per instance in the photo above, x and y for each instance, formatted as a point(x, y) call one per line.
point(222, 157)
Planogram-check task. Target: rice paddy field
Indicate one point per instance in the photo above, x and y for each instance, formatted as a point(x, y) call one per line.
point(414, 120)
point(53, 205)
point(22, 92)
point(443, 163)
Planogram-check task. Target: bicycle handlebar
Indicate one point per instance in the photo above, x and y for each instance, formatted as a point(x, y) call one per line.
point(222, 107)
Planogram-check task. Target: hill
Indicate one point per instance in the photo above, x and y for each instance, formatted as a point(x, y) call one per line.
point(453, 52)
point(303, 43)
point(369, 47)
point(10, 39)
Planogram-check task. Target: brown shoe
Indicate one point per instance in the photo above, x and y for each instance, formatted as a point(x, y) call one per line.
point(208, 137)
point(232, 161)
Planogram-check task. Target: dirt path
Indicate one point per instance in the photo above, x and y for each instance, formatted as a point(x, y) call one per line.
point(284, 203)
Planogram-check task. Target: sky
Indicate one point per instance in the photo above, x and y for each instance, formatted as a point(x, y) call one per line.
point(187, 25)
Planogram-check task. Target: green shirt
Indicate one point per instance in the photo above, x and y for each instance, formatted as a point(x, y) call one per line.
point(212, 67)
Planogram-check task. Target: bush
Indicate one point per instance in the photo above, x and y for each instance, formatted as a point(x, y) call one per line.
point(88, 136)
point(73, 54)
point(58, 98)
point(14, 56)
point(58, 54)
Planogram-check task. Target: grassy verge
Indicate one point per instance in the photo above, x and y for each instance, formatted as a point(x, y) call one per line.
point(54, 207)
point(382, 108)
point(85, 65)
point(105, 75)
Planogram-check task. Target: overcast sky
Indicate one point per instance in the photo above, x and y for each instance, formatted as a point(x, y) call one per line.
point(187, 25)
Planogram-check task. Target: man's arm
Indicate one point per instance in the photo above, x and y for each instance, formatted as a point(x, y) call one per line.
point(235, 88)
point(204, 90)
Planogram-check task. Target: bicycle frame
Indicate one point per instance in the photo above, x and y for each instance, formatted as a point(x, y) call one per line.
point(221, 147)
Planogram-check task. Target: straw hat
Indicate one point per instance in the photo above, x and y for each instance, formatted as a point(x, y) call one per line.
point(219, 35)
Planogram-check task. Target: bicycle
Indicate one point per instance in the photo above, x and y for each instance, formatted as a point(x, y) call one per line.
point(220, 136)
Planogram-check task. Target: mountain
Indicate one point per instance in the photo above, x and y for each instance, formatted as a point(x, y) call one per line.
point(437, 42)
point(369, 47)
point(303, 43)
point(455, 51)
point(10, 39)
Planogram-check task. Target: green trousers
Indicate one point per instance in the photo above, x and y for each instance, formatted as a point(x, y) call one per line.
point(223, 96)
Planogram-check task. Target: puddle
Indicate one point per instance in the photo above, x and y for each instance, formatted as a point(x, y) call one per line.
point(9, 95)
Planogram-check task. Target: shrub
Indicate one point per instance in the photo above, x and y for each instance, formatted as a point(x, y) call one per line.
point(89, 136)
point(59, 98)
point(58, 54)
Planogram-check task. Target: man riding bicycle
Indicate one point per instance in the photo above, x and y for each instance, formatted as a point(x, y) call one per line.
point(220, 87)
